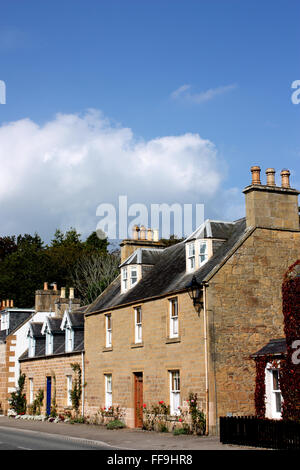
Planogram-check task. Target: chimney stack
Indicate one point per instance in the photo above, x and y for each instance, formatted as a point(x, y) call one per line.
point(271, 206)
point(141, 238)
point(45, 299)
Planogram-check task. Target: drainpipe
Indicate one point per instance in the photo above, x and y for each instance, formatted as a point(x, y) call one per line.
point(82, 381)
point(206, 357)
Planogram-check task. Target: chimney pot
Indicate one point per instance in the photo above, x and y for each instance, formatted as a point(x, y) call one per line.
point(270, 172)
point(135, 232)
point(143, 232)
point(255, 170)
point(285, 178)
point(11, 303)
point(63, 293)
point(54, 286)
point(155, 235)
point(149, 234)
point(71, 293)
point(45, 285)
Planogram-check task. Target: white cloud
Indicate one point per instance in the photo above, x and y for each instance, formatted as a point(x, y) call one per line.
point(57, 174)
point(175, 94)
point(197, 98)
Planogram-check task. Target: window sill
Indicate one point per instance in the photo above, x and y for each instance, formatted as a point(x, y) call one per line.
point(137, 345)
point(106, 349)
point(173, 340)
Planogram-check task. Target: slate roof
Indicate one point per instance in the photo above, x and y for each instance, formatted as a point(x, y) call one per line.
point(274, 347)
point(147, 256)
point(168, 275)
point(77, 320)
point(16, 317)
point(37, 329)
point(213, 229)
point(54, 324)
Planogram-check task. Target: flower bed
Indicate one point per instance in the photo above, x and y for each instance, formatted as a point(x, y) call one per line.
point(189, 419)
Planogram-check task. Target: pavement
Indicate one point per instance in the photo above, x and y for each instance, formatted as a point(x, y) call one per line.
point(122, 439)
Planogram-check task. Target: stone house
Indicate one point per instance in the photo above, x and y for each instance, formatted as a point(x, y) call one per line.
point(54, 342)
point(187, 318)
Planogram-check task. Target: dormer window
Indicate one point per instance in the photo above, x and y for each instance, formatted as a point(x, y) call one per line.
point(31, 345)
point(5, 321)
point(124, 279)
point(69, 332)
point(49, 342)
point(205, 241)
point(48, 337)
point(203, 252)
point(133, 276)
point(197, 253)
point(130, 275)
point(191, 256)
point(69, 339)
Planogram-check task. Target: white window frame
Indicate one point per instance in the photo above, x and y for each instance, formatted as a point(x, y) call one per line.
point(203, 254)
point(5, 321)
point(191, 256)
point(138, 324)
point(272, 393)
point(174, 392)
point(31, 396)
point(108, 330)
point(133, 269)
point(69, 339)
point(108, 390)
point(124, 279)
point(49, 343)
point(31, 346)
point(69, 389)
point(173, 318)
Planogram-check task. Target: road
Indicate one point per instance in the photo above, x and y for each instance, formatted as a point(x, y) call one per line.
point(21, 439)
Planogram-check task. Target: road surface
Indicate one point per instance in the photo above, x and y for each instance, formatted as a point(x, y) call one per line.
point(21, 439)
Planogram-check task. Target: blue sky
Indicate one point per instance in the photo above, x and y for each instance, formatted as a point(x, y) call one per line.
point(218, 69)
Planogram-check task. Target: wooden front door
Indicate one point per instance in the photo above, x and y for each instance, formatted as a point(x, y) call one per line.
point(138, 399)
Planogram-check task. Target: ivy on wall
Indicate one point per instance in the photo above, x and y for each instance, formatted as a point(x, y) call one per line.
point(290, 370)
point(260, 387)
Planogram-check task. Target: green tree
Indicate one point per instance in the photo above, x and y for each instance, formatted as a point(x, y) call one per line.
point(17, 399)
point(26, 263)
point(93, 272)
point(171, 241)
point(24, 271)
point(93, 242)
point(8, 245)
